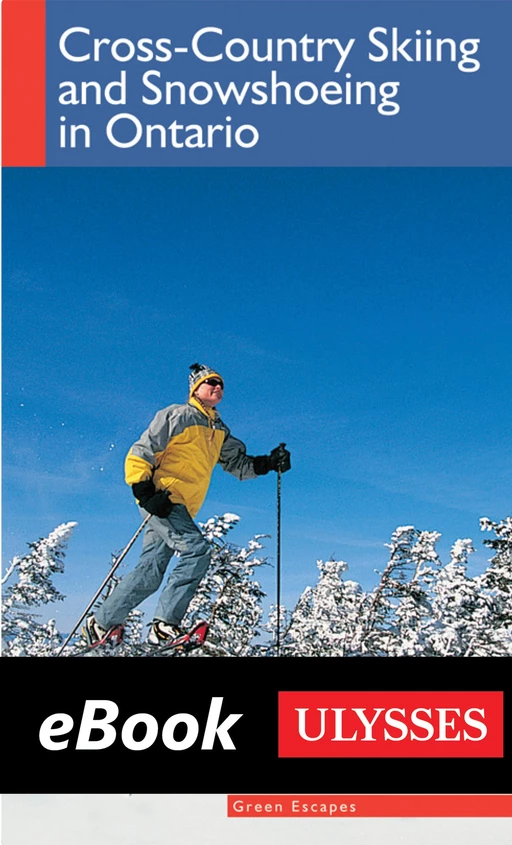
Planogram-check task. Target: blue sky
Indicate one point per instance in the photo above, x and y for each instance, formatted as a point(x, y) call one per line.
point(363, 316)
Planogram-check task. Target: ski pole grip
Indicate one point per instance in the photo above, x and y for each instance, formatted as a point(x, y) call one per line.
point(282, 446)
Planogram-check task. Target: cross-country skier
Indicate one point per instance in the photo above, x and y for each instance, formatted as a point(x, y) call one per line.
point(169, 470)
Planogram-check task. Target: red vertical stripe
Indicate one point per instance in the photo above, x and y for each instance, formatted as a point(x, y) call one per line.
point(23, 83)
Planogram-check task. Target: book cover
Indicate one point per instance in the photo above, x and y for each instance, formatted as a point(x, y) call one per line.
point(256, 360)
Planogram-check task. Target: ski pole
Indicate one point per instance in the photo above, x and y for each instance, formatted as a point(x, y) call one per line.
point(278, 560)
point(98, 592)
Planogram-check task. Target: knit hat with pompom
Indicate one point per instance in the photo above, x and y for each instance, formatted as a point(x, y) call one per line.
point(198, 374)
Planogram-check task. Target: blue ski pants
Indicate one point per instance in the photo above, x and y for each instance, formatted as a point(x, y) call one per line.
point(163, 536)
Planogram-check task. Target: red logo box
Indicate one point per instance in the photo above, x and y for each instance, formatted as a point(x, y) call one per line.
point(390, 724)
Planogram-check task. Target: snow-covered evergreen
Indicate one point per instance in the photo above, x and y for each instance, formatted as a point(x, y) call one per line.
point(30, 585)
point(326, 620)
point(228, 596)
point(496, 587)
point(418, 607)
point(457, 605)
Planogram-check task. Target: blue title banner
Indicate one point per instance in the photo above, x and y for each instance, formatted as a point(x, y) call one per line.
point(288, 83)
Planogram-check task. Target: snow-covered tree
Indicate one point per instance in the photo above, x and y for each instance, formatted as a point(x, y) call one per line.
point(496, 585)
point(326, 619)
point(418, 607)
point(396, 612)
point(228, 598)
point(29, 584)
point(412, 586)
point(458, 606)
point(498, 576)
point(132, 630)
point(278, 620)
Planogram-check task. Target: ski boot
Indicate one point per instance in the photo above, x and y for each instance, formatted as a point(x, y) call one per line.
point(163, 633)
point(170, 639)
point(96, 636)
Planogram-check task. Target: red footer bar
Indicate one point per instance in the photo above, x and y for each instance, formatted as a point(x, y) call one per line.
point(369, 806)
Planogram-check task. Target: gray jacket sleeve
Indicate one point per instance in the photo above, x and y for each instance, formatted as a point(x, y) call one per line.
point(156, 437)
point(233, 458)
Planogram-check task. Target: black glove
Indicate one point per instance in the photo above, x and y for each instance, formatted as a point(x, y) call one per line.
point(279, 460)
point(261, 464)
point(153, 501)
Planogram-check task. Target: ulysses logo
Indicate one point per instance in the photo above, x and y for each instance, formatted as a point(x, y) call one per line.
point(391, 724)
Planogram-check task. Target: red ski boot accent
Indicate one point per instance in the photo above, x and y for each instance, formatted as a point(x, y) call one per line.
point(114, 636)
point(198, 634)
point(186, 642)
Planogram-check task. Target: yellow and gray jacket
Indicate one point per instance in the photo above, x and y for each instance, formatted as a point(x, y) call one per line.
point(179, 450)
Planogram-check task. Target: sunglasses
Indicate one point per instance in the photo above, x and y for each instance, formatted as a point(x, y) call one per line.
point(213, 382)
